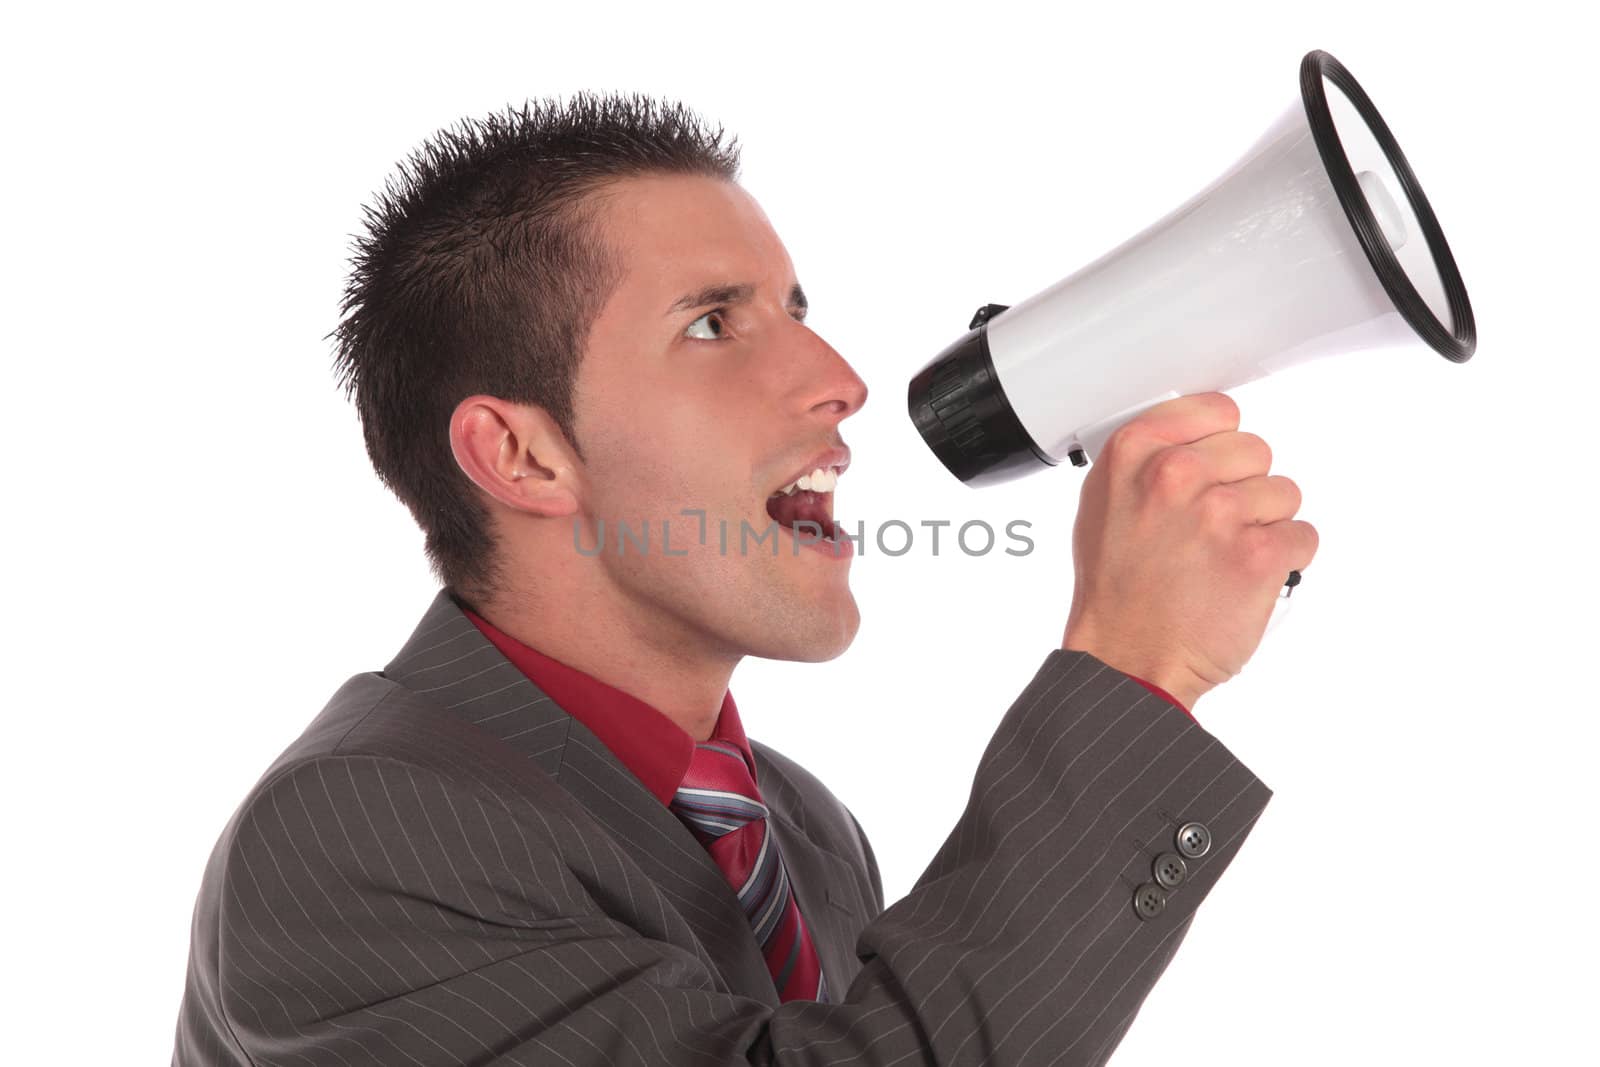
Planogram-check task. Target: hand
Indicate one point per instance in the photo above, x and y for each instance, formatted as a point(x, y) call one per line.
point(1181, 546)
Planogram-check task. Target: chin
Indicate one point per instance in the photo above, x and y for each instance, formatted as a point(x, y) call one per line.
point(819, 639)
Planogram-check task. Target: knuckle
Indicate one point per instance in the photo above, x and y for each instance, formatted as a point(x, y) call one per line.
point(1258, 550)
point(1123, 436)
point(1221, 504)
point(1173, 470)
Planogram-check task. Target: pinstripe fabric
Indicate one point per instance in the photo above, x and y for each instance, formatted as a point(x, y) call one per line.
point(445, 868)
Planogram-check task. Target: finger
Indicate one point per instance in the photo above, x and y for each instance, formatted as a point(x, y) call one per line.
point(1233, 455)
point(1293, 543)
point(1178, 421)
point(1261, 500)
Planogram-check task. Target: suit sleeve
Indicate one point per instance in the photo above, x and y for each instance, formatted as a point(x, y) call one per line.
point(380, 912)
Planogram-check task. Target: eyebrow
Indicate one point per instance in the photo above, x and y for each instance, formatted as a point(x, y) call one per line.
point(730, 294)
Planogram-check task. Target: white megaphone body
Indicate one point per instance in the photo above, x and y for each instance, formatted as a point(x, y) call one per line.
point(1318, 241)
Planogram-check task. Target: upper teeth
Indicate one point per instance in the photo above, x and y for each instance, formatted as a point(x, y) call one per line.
point(821, 480)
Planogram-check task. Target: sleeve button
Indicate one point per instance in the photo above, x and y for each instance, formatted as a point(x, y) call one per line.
point(1193, 839)
point(1148, 900)
point(1170, 870)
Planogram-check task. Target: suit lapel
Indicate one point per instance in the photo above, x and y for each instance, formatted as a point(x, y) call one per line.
point(809, 880)
point(448, 659)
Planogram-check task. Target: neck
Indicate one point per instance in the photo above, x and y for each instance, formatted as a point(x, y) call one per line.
point(621, 643)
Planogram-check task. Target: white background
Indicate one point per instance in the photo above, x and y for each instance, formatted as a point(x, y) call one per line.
point(201, 553)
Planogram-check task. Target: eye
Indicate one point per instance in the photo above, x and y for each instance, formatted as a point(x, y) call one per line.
point(714, 333)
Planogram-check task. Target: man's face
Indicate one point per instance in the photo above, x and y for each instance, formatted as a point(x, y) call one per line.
point(692, 399)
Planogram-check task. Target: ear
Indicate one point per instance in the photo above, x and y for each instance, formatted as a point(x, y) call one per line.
point(517, 454)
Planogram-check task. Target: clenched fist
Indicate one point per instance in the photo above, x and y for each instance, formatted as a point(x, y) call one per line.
point(1181, 546)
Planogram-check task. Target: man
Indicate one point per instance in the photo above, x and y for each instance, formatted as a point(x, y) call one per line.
point(540, 834)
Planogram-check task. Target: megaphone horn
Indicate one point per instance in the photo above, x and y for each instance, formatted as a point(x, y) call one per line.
point(1318, 241)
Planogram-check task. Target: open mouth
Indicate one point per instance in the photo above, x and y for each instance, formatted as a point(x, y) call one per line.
point(807, 499)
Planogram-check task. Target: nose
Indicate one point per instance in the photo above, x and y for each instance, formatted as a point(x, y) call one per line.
point(834, 387)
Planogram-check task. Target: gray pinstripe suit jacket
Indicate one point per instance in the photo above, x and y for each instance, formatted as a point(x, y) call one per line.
point(446, 868)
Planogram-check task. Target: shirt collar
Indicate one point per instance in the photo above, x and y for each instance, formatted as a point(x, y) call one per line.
point(652, 746)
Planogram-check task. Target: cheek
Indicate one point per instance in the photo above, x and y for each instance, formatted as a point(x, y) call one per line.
point(645, 473)
point(682, 441)
point(698, 444)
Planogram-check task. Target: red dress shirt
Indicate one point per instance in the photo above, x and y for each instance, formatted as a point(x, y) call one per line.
point(652, 746)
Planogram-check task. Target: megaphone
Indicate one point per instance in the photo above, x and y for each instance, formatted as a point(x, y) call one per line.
point(1318, 241)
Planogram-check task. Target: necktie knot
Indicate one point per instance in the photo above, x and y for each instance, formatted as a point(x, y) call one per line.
point(718, 793)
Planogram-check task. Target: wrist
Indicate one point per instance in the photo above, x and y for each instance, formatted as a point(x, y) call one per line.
point(1181, 682)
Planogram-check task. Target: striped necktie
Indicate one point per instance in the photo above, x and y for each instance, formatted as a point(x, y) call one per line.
point(719, 801)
